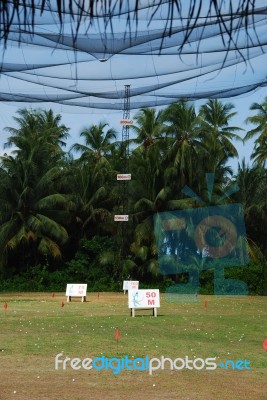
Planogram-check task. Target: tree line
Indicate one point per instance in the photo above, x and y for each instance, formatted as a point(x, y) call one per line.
point(57, 207)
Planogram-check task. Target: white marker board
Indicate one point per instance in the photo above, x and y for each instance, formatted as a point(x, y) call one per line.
point(76, 290)
point(144, 298)
point(130, 285)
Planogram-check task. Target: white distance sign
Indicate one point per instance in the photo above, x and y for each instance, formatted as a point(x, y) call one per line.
point(130, 285)
point(121, 218)
point(124, 177)
point(76, 290)
point(144, 298)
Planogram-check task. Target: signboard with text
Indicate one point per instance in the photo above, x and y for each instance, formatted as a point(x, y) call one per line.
point(123, 177)
point(121, 218)
point(130, 285)
point(144, 298)
point(76, 290)
point(126, 121)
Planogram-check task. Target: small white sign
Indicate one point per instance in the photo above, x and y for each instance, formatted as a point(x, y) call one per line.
point(144, 298)
point(121, 217)
point(76, 290)
point(126, 122)
point(124, 177)
point(130, 285)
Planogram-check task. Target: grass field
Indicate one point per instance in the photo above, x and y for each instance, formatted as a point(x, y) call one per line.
point(35, 328)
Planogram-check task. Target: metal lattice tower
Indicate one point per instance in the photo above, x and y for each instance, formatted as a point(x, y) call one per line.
point(123, 177)
point(124, 194)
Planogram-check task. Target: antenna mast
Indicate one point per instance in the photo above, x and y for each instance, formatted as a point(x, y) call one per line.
point(124, 177)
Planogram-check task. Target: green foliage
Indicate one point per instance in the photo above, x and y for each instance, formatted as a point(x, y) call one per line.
point(56, 212)
point(253, 275)
point(35, 279)
point(88, 266)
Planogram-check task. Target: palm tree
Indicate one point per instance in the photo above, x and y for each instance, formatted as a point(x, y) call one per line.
point(148, 127)
point(55, 132)
point(217, 134)
point(259, 119)
point(32, 213)
point(183, 143)
point(148, 195)
point(259, 154)
point(33, 209)
point(252, 184)
point(91, 197)
point(98, 142)
point(37, 128)
point(93, 173)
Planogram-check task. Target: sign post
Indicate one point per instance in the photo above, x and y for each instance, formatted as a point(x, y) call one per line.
point(121, 218)
point(124, 177)
point(126, 121)
point(76, 290)
point(130, 285)
point(144, 299)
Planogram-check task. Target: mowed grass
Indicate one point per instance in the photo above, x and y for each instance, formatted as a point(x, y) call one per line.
point(35, 328)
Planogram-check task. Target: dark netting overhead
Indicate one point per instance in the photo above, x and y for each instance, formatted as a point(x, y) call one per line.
point(83, 56)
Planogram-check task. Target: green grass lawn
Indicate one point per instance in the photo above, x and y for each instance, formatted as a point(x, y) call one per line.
point(35, 328)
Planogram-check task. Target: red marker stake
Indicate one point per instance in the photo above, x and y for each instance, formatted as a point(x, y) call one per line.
point(117, 336)
point(5, 307)
point(264, 344)
point(206, 305)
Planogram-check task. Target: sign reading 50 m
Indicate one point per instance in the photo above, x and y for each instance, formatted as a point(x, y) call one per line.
point(144, 298)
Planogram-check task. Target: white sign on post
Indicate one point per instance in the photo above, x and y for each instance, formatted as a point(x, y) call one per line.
point(126, 121)
point(130, 285)
point(124, 177)
point(121, 218)
point(143, 299)
point(76, 290)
